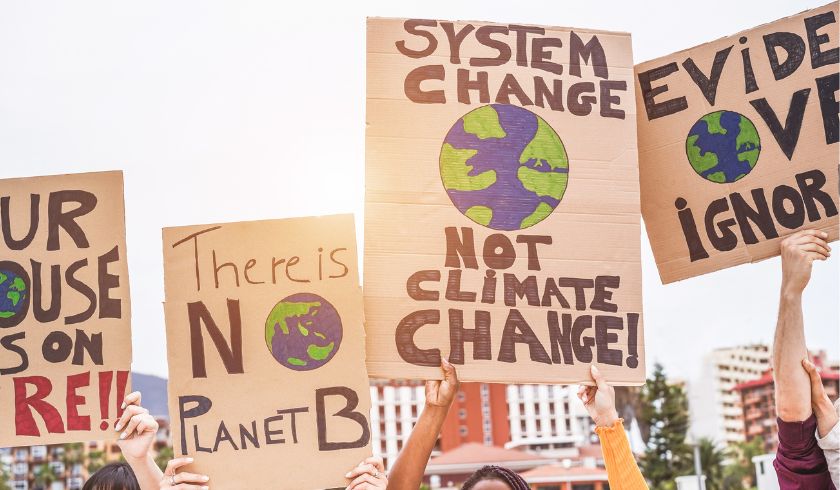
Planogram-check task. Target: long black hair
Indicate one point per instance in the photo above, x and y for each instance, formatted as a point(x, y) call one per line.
point(114, 476)
point(492, 472)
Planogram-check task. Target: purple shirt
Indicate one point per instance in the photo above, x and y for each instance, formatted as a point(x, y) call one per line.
point(800, 463)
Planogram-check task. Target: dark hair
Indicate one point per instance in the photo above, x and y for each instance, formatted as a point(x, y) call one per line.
point(114, 476)
point(492, 472)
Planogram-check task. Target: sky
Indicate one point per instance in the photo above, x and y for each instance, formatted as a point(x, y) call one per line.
point(227, 111)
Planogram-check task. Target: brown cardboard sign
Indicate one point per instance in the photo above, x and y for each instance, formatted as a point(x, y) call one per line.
point(65, 311)
point(265, 340)
point(502, 221)
point(738, 144)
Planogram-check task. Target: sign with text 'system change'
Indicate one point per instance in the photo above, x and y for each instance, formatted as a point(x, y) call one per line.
point(738, 144)
point(502, 213)
point(65, 329)
point(265, 340)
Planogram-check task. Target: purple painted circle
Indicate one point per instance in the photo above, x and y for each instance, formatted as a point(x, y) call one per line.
point(303, 331)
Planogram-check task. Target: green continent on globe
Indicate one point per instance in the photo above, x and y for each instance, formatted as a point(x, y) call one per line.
point(455, 170)
point(700, 161)
point(484, 123)
point(14, 292)
point(747, 135)
point(283, 311)
point(544, 149)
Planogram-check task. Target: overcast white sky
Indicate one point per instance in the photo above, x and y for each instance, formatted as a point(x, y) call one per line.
point(225, 111)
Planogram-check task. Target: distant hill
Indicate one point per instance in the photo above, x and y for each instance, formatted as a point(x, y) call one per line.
point(154, 393)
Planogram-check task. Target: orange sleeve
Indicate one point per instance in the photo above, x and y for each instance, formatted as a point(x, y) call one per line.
point(622, 470)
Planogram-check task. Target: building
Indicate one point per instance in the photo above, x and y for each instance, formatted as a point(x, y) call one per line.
point(564, 477)
point(758, 402)
point(547, 418)
point(715, 406)
point(479, 414)
point(394, 409)
point(544, 418)
point(64, 466)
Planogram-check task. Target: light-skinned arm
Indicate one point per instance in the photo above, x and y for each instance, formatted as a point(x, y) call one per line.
point(599, 400)
point(793, 387)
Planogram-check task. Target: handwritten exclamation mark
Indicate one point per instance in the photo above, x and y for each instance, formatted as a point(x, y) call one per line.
point(633, 340)
point(122, 385)
point(105, 379)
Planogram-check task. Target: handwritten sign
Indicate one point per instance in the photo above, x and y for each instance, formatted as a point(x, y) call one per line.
point(502, 222)
point(265, 339)
point(738, 144)
point(65, 330)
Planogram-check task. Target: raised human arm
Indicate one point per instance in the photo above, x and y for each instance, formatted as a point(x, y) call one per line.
point(793, 386)
point(407, 472)
point(599, 400)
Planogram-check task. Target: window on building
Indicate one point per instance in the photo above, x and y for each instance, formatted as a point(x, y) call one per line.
point(463, 430)
point(583, 486)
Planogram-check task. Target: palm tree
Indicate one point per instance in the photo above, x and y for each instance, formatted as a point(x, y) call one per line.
point(95, 461)
point(163, 456)
point(712, 459)
point(4, 478)
point(43, 476)
point(740, 473)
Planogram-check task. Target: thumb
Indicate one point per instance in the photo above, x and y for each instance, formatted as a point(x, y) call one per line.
point(811, 369)
point(449, 373)
point(600, 382)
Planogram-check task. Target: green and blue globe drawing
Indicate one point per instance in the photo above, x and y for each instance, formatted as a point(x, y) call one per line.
point(723, 146)
point(14, 294)
point(303, 331)
point(504, 167)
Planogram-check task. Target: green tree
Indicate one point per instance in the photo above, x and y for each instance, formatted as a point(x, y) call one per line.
point(95, 461)
point(712, 463)
point(163, 456)
point(4, 478)
point(740, 473)
point(43, 476)
point(665, 411)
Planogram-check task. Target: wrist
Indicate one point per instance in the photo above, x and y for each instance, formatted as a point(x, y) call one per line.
point(791, 293)
point(607, 419)
point(135, 460)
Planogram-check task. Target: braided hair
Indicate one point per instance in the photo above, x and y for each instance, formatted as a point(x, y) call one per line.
point(493, 472)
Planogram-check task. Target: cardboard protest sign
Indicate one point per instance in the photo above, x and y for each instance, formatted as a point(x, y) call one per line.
point(738, 144)
point(265, 337)
point(502, 221)
point(65, 329)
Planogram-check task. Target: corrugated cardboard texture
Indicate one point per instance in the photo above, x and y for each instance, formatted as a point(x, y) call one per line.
point(669, 181)
point(64, 238)
point(594, 230)
point(300, 273)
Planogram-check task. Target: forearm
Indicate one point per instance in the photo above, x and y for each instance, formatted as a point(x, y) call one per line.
point(407, 472)
point(147, 472)
point(622, 470)
point(793, 387)
point(827, 417)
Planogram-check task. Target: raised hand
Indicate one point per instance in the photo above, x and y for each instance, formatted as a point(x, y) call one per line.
point(138, 428)
point(441, 393)
point(368, 475)
point(799, 251)
point(173, 480)
point(599, 400)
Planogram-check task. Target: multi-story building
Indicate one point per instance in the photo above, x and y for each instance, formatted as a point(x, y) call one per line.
point(394, 409)
point(759, 406)
point(547, 419)
point(715, 405)
point(64, 466)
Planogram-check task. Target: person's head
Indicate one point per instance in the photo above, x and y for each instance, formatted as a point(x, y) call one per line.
point(114, 476)
point(495, 478)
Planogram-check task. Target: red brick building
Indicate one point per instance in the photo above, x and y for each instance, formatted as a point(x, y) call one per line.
point(479, 415)
point(758, 402)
